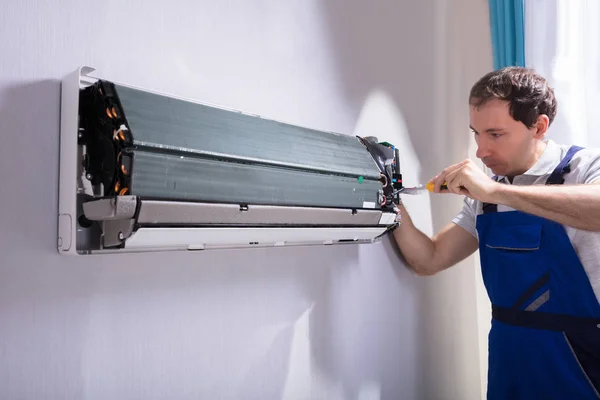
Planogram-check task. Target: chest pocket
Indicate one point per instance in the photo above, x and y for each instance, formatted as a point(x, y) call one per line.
point(515, 261)
point(526, 237)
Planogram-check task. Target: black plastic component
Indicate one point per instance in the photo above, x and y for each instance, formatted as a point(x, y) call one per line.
point(391, 178)
point(397, 175)
point(379, 153)
point(84, 222)
point(104, 130)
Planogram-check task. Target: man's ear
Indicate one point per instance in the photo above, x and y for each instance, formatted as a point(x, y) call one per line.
point(541, 126)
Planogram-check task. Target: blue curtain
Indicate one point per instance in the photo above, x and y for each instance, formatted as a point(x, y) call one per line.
point(508, 37)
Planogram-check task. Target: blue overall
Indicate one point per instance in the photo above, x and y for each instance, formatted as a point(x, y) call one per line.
point(544, 342)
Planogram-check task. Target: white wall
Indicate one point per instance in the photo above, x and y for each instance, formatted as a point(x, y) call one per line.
point(318, 323)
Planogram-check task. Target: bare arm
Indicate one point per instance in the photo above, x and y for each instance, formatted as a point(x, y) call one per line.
point(573, 205)
point(428, 256)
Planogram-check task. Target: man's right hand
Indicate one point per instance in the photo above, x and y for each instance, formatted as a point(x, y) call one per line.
point(467, 179)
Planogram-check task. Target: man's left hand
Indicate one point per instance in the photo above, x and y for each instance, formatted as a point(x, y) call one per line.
point(467, 179)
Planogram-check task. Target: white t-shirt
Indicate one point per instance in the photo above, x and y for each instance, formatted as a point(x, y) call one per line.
point(585, 168)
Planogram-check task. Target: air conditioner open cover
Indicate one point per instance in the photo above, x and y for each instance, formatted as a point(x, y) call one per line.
point(144, 171)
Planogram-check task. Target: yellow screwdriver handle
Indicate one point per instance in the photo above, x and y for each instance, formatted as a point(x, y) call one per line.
point(430, 185)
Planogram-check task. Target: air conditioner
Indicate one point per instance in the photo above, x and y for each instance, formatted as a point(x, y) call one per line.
point(145, 171)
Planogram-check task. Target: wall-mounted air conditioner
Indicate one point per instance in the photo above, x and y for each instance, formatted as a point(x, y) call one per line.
point(144, 171)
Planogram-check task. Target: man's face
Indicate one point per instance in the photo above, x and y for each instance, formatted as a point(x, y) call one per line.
point(506, 146)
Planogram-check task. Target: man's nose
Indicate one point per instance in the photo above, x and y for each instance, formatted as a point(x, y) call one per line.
point(482, 150)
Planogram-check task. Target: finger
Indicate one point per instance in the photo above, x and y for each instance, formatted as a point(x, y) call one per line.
point(451, 176)
point(453, 181)
point(442, 178)
point(458, 180)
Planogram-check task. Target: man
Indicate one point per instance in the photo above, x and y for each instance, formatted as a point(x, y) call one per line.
point(537, 227)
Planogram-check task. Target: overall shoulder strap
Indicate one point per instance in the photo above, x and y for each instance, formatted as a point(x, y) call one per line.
point(563, 167)
point(490, 207)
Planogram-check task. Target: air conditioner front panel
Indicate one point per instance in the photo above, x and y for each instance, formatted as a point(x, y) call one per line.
point(154, 212)
point(204, 238)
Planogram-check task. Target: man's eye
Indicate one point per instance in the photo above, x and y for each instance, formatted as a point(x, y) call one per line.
point(496, 135)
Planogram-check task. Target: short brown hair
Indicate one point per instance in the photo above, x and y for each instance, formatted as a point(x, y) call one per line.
point(528, 93)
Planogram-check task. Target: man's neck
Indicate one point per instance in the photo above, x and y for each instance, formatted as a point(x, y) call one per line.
point(540, 147)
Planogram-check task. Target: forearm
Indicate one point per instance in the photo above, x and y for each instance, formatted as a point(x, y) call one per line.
point(416, 247)
point(573, 205)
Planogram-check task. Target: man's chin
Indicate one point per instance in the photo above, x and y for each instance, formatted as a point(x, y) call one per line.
point(497, 170)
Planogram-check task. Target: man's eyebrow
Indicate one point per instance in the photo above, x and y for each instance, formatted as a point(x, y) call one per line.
point(488, 130)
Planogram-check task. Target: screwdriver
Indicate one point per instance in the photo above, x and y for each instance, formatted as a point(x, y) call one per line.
point(430, 186)
point(417, 189)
